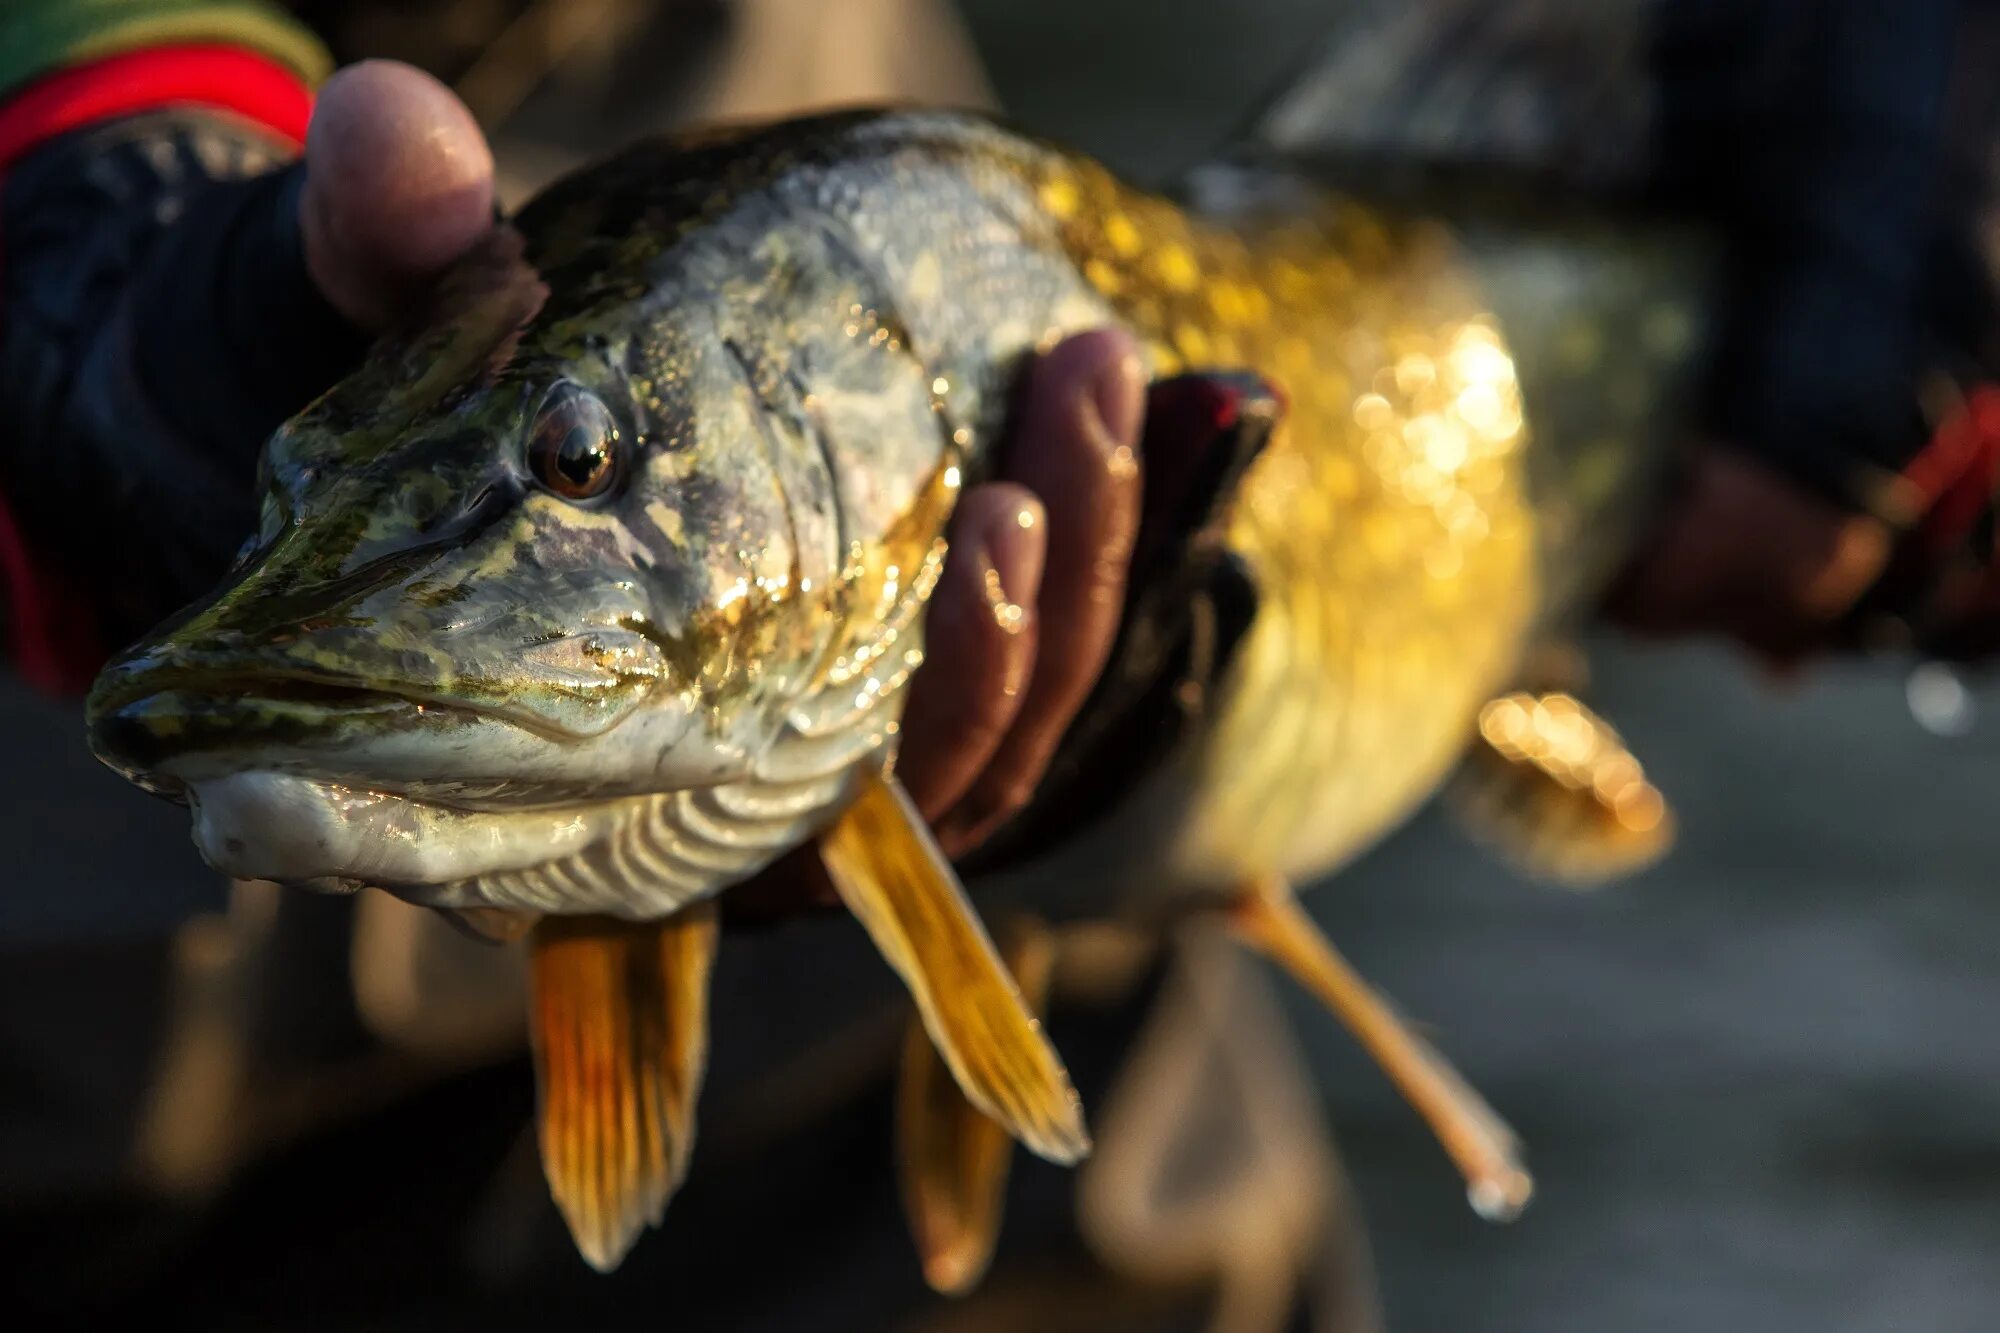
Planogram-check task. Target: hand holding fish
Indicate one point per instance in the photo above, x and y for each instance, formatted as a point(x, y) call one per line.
point(397, 183)
point(601, 587)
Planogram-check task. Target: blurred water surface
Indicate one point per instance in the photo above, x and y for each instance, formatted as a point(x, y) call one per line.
point(1760, 1085)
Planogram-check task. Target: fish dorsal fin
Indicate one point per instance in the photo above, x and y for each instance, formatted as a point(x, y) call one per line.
point(953, 1159)
point(1550, 786)
point(897, 883)
point(620, 1025)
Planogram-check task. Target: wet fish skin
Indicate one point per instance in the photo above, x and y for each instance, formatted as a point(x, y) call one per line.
point(807, 335)
point(599, 589)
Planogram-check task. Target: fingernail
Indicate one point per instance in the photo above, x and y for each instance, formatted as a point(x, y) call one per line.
point(1118, 396)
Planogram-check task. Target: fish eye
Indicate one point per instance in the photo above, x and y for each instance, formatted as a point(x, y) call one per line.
point(574, 446)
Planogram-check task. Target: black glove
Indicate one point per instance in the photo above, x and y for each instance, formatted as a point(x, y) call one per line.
point(158, 323)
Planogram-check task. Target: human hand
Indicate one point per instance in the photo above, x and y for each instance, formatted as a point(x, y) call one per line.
point(1033, 588)
point(1747, 555)
point(1025, 613)
point(175, 291)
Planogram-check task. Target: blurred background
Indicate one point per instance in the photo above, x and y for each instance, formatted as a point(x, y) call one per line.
point(1760, 1084)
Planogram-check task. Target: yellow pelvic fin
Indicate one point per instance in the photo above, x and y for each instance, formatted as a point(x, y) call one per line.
point(1550, 786)
point(894, 879)
point(953, 1159)
point(1269, 918)
point(620, 1027)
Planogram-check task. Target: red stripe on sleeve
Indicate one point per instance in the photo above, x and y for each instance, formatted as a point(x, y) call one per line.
point(229, 78)
point(1959, 472)
point(49, 633)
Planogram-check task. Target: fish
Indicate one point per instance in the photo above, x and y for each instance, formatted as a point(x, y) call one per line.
point(597, 590)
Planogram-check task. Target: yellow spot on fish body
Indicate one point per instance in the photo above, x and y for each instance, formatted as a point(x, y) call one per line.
point(1122, 236)
point(666, 466)
point(1192, 343)
point(926, 277)
point(1224, 301)
point(668, 520)
point(1294, 285)
point(1175, 268)
point(1060, 196)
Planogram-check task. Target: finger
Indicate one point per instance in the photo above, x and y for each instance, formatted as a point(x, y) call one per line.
point(980, 646)
point(1077, 448)
point(1747, 554)
point(979, 653)
point(399, 183)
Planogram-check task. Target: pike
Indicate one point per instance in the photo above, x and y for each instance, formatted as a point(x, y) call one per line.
point(592, 595)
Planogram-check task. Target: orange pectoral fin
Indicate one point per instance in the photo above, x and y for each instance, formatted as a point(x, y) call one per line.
point(894, 879)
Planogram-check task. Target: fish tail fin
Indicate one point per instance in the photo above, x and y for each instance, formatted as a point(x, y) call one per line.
point(619, 1016)
point(1269, 918)
point(954, 1159)
point(892, 876)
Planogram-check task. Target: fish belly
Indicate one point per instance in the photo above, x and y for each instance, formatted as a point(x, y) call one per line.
point(1387, 527)
point(1391, 538)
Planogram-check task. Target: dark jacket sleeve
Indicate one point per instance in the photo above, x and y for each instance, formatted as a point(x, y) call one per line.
point(148, 251)
point(148, 261)
point(1846, 148)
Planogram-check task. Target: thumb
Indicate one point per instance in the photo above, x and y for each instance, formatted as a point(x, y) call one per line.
point(399, 183)
point(267, 289)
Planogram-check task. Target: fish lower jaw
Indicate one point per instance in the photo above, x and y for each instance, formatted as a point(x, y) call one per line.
point(298, 830)
point(637, 857)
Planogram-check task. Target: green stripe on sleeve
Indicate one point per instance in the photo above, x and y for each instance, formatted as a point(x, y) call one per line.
point(38, 36)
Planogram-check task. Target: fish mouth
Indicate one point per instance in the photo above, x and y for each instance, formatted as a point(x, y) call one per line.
point(153, 722)
point(326, 694)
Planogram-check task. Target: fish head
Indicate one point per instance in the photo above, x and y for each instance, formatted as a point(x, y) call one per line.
point(544, 553)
